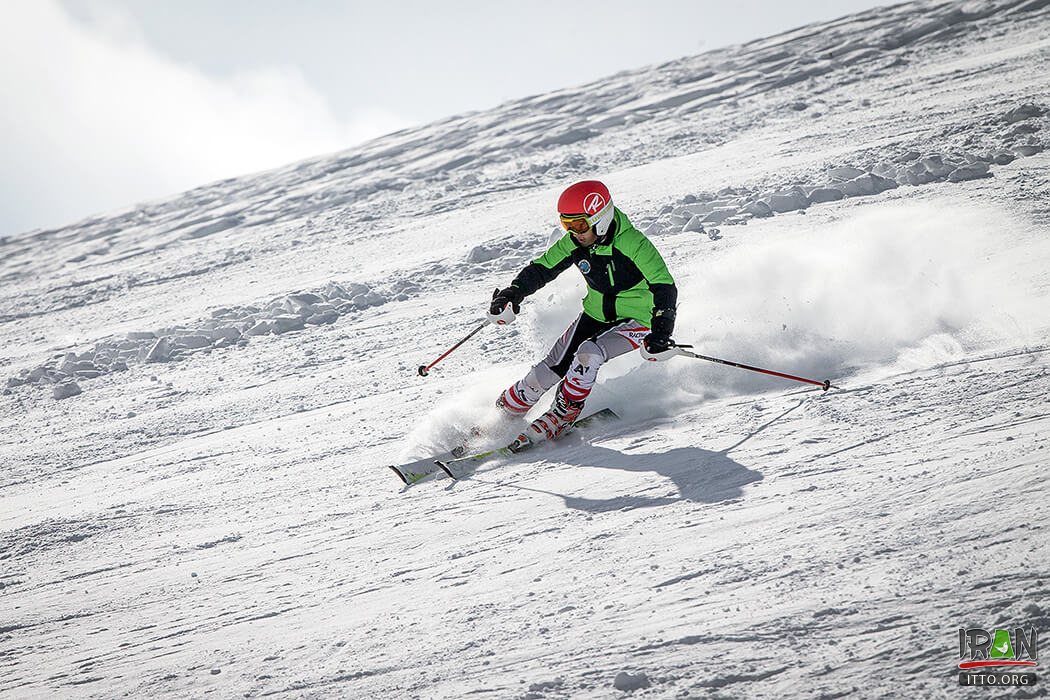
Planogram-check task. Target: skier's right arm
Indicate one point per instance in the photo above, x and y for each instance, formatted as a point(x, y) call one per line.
point(537, 273)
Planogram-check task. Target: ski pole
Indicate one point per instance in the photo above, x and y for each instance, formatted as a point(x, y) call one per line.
point(825, 385)
point(424, 370)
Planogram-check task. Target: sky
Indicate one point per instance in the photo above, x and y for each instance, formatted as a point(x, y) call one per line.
point(106, 103)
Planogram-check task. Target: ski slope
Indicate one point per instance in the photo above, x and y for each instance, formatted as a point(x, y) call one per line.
point(201, 396)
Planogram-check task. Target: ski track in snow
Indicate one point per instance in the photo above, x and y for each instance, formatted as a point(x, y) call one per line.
point(208, 511)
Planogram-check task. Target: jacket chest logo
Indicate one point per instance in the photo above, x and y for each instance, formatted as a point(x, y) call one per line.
point(585, 266)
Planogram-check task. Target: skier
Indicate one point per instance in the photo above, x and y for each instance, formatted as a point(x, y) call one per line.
point(630, 304)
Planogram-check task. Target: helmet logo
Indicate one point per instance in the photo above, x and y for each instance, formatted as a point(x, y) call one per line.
point(593, 203)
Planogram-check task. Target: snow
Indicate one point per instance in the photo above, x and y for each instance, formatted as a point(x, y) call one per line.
point(201, 396)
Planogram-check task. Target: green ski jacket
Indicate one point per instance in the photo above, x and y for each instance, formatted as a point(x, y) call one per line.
point(626, 277)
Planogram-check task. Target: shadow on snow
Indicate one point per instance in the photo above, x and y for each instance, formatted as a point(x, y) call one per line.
point(699, 475)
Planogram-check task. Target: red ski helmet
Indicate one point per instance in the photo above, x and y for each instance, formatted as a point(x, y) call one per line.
point(591, 201)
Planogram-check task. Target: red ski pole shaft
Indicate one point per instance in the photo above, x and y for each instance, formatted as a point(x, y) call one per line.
point(425, 369)
point(825, 384)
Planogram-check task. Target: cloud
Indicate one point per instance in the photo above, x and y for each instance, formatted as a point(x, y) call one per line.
point(91, 118)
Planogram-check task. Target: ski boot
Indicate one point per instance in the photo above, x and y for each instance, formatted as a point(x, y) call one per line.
point(562, 414)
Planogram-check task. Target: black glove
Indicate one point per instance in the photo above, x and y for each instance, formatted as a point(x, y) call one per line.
point(659, 338)
point(502, 297)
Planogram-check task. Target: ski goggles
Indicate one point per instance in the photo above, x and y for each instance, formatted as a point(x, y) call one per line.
point(576, 223)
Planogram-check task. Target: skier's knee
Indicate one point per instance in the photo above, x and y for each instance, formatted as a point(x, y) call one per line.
point(590, 354)
point(589, 357)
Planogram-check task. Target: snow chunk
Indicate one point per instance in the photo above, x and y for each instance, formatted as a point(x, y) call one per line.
point(323, 318)
point(694, 224)
point(543, 686)
point(970, 171)
point(287, 322)
point(654, 229)
point(867, 184)
point(626, 682)
point(758, 209)
point(680, 218)
point(262, 327)
point(301, 302)
point(825, 194)
point(885, 170)
point(936, 166)
point(229, 333)
point(161, 350)
point(718, 215)
point(65, 390)
point(222, 312)
point(334, 290)
point(482, 253)
point(1023, 112)
point(192, 342)
point(844, 173)
point(790, 200)
point(917, 174)
point(368, 299)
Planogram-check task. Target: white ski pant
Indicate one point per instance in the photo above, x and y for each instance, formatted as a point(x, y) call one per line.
point(577, 356)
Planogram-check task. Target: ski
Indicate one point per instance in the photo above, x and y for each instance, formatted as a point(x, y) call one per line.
point(414, 472)
point(447, 464)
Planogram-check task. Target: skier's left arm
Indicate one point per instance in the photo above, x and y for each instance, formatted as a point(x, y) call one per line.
point(665, 294)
